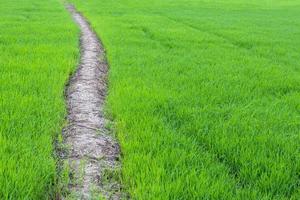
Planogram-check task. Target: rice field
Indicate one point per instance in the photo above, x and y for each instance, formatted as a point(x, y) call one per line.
point(38, 45)
point(204, 95)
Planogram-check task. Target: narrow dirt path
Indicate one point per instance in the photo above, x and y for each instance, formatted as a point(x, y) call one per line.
point(93, 154)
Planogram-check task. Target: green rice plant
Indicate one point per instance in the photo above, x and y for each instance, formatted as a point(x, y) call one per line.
point(38, 51)
point(205, 95)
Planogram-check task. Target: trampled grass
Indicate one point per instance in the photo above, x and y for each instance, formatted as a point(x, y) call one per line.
point(38, 50)
point(205, 95)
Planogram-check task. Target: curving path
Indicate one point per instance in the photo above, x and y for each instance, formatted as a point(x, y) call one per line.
point(93, 154)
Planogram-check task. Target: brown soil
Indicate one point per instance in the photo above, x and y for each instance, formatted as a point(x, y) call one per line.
point(93, 154)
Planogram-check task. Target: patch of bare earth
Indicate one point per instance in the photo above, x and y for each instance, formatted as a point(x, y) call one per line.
point(92, 152)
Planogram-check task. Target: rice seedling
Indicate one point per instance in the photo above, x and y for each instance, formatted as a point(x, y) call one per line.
point(205, 95)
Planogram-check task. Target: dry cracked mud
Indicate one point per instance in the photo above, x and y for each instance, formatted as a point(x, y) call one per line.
point(92, 152)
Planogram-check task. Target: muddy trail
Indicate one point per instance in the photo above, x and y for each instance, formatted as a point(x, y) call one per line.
point(92, 153)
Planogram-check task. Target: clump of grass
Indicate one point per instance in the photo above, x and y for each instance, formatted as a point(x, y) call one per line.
point(205, 95)
point(38, 45)
point(111, 175)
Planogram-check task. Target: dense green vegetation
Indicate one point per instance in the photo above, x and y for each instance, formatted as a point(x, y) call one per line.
point(205, 95)
point(38, 50)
